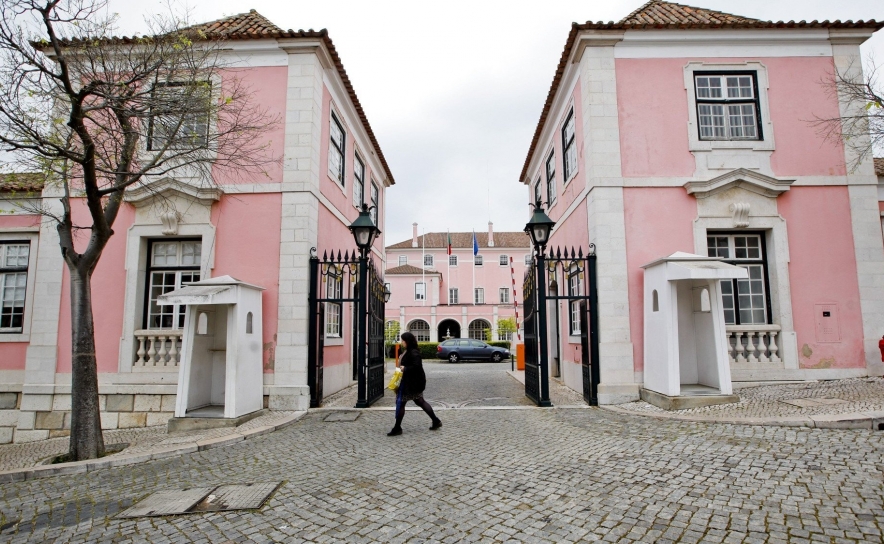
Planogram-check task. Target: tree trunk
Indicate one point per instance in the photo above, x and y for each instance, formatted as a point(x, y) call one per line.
point(87, 441)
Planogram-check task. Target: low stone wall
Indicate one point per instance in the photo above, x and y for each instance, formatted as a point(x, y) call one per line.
point(9, 405)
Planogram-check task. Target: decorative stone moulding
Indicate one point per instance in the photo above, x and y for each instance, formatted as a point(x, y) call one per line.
point(170, 222)
point(747, 179)
point(146, 193)
point(741, 214)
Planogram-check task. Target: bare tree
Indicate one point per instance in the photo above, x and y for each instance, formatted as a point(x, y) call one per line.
point(99, 115)
point(860, 124)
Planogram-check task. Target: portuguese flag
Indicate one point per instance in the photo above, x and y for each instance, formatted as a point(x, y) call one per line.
point(449, 243)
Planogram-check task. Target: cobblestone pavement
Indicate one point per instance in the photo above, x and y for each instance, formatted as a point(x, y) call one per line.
point(837, 396)
point(489, 475)
point(140, 440)
point(464, 385)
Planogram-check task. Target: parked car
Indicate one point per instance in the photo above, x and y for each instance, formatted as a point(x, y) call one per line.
point(464, 348)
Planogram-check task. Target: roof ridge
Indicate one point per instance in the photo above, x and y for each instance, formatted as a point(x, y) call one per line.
point(700, 14)
point(638, 10)
point(243, 21)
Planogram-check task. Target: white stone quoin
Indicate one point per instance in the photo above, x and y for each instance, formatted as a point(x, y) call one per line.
point(221, 359)
point(685, 338)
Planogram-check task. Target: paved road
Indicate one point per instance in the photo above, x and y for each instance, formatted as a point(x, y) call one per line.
point(518, 475)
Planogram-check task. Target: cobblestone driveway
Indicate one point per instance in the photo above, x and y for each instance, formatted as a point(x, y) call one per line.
point(520, 475)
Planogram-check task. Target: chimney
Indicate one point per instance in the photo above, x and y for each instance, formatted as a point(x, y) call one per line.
point(490, 234)
point(414, 235)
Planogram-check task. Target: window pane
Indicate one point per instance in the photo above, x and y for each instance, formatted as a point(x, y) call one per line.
point(190, 253)
point(742, 120)
point(753, 307)
point(504, 260)
point(739, 87)
point(452, 260)
point(711, 120)
point(403, 260)
point(165, 254)
point(428, 260)
point(708, 87)
point(747, 247)
point(16, 255)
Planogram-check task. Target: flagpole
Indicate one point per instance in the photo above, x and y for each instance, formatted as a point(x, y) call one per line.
point(448, 278)
point(474, 267)
point(424, 265)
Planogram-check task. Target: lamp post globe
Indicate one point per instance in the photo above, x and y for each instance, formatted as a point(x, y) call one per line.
point(387, 293)
point(364, 230)
point(539, 227)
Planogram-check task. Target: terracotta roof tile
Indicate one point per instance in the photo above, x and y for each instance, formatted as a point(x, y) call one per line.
point(408, 269)
point(879, 166)
point(251, 23)
point(464, 240)
point(27, 182)
point(662, 15)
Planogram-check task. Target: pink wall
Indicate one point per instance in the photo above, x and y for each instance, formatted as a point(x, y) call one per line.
point(12, 354)
point(657, 145)
point(108, 293)
point(18, 221)
point(247, 248)
point(823, 270)
point(333, 236)
point(565, 194)
point(267, 86)
point(572, 232)
point(649, 236)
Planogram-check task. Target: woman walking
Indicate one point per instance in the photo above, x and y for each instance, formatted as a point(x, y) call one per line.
point(413, 383)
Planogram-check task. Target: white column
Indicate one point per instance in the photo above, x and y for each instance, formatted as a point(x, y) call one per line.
point(434, 334)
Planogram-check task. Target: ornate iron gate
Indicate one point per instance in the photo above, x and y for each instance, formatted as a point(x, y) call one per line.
point(337, 281)
point(569, 276)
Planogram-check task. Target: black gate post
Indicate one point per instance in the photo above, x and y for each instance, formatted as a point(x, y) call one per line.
point(361, 334)
point(543, 366)
point(594, 329)
point(313, 332)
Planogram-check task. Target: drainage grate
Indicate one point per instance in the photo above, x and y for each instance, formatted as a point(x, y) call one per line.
point(202, 499)
point(342, 416)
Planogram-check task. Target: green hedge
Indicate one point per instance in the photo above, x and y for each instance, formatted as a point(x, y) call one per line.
point(499, 344)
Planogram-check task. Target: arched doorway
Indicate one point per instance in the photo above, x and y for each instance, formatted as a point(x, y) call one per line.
point(420, 329)
point(478, 329)
point(448, 328)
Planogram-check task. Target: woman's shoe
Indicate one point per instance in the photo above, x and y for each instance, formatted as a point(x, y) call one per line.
point(396, 431)
point(436, 425)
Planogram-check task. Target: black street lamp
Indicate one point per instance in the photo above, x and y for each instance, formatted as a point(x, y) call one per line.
point(539, 227)
point(387, 293)
point(364, 230)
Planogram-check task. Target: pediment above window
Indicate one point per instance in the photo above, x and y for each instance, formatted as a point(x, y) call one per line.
point(754, 182)
point(145, 194)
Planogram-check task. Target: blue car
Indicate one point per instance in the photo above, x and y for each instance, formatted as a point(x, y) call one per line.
point(465, 348)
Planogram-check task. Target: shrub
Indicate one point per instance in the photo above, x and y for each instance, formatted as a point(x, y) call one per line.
point(499, 344)
point(428, 349)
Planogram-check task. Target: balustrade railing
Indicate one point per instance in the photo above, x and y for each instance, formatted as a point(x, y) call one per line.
point(753, 343)
point(158, 348)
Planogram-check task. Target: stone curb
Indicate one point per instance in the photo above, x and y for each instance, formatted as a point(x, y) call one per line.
point(852, 420)
point(79, 467)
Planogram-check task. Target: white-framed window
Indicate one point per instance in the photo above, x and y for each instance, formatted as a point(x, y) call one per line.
point(420, 291)
point(452, 260)
point(551, 178)
point(479, 295)
point(504, 260)
point(403, 260)
point(358, 182)
point(478, 330)
point(337, 140)
point(727, 106)
point(14, 258)
point(528, 259)
point(453, 295)
point(575, 289)
point(172, 264)
point(745, 301)
point(428, 260)
point(179, 115)
point(478, 260)
point(375, 202)
point(334, 287)
point(569, 147)
point(420, 329)
point(504, 295)
point(538, 191)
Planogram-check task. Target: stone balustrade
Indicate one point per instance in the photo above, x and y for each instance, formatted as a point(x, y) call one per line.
point(753, 343)
point(157, 348)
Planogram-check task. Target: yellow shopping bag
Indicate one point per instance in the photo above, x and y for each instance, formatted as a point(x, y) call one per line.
point(395, 380)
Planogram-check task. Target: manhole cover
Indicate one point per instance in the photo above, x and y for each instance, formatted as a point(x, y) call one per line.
point(202, 499)
point(342, 416)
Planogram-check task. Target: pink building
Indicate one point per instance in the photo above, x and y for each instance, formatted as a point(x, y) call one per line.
point(259, 231)
point(436, 295)
point(686, 129)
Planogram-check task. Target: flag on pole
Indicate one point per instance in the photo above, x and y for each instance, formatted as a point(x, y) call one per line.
point(475, 244)
point(449, 242)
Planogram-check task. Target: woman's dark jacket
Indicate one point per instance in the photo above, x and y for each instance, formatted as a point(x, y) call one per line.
point(414, 381)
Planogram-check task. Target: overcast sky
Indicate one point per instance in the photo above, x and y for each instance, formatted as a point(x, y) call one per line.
point(453, 90)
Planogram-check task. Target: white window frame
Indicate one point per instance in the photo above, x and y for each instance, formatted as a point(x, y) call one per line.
point(575, 288)
point(375, 203)
point(748, 263)
point(188, 124)
point(428, 260)
point(180, 270)
point(538, 190)
point(334, 288)
point(453, 295)
point(504, 294)
point(479, 295)
point(478, 260)
point(358, 181)
point(32, 239)
point(403, 260)
point(333, 148)
point(422, 334)
point(420, 290)
point(452, 260)
point(503, 260)
point(762, 84)
point(569, 147)
point(528, 259)
point(551, 189)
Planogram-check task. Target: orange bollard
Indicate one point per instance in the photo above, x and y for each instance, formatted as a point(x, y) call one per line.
point(520, 356)
point(397, 355)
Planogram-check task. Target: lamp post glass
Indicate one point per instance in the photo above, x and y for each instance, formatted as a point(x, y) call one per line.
point(364, 230)
point(539, 227)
